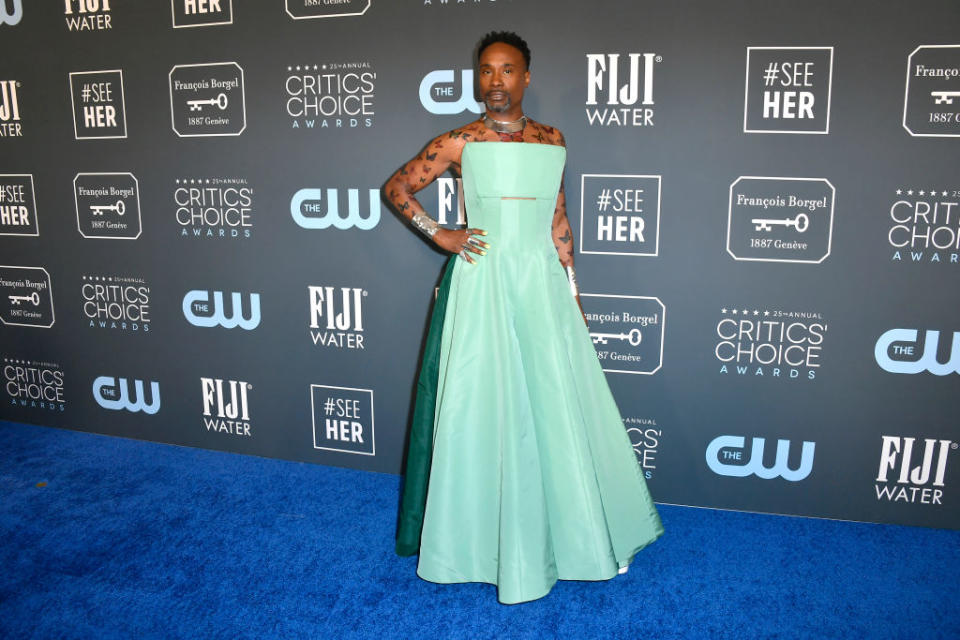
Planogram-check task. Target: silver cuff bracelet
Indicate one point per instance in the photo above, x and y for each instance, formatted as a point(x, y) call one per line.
point(572, 278)
point(425, 224)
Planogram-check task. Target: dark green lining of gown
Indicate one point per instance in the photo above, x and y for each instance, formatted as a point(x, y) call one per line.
point(420, 447)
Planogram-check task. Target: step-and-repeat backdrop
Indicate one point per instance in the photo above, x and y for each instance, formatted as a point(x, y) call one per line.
point(195, 248)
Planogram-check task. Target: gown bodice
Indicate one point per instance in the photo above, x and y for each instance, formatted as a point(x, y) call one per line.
point(496, 170)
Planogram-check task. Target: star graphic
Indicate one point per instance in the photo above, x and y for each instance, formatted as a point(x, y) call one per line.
point(724, 310)
point(899, 192)
point(943, 193)
point(733, 311)
point(766, 313)
point(910, 192)
point(922, 193)
point(755, 312)
point(745, 312)
point(289, 68)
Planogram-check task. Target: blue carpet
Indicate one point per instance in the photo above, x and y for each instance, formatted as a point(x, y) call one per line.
point(131, 539)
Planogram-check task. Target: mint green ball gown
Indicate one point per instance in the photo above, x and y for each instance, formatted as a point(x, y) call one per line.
point(519, 470)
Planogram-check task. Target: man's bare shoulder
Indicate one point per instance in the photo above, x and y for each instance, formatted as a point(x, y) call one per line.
point(450, 143)
point(548, 134)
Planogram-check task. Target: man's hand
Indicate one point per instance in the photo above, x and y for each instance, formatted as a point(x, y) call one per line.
point(457, 240)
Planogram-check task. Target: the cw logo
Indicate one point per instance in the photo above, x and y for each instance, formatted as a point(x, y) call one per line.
point(11, 18)
point(213, 314)
point(308, 201)
point(114, 394)
point(428, 87)
point(754, 465)
point(903, 343)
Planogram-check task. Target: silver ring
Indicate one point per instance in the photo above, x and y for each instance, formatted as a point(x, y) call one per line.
point(463, 254)
point(473, 241)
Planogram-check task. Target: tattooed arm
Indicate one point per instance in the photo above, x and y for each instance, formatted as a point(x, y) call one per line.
point(562, 236)
point(440, 155)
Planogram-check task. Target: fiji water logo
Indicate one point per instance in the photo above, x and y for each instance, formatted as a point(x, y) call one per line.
point(201, 311)
point(725, 457)
point(115, 394)
point(897, 351)
point(309, 213)
point(11, 17)
point(437, 92)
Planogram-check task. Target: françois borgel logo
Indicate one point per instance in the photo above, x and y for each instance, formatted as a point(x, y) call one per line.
point(18, 205)
point(226, 406)
point(627, 331)
point(305, 9)
point(310, 212)
point(920, 484)
point(98, 105)
point(443, 93)
point(26, 298)
point(207, 99)
point(336, 316)
point(204, 308)
point(131, 395)
point(334, 95)
point(645, 437)
point(780, 219)
point(116, 302)
point(108, 205)
point(925, 225)
point(214, 207)
point(788, 90)
point(34, 384)
point(87, 15)
point(342, 419)
point(725, 457)
point(10, 125)
point(770, 343)
point(619, 214)
point(11, 11)
point(620, 91)
point(902, 351)
point(201, 13)
point(931, 106)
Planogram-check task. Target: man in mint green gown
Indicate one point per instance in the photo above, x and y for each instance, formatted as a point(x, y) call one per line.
point(519, 471)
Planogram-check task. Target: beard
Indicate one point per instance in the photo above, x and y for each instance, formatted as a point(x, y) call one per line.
point(504, 106)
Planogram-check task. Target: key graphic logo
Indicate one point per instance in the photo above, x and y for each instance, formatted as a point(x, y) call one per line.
point(98, 105)
point(308, 211)
point(115, 394)
point(931, 103)
point(107, 205)
point(307, 9)
point(772, 219)
point(18, 209)
point(627, 331)
point(725, 457)
point(200, 311)
point(440, 94)
point(619, 214)
point(26, 298)
point(201, 13)
point(207, 99)
point(899, 351)
point(788, 90)
point(342, 419)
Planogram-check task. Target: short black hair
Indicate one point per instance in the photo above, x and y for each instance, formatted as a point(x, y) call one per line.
point(506, 37)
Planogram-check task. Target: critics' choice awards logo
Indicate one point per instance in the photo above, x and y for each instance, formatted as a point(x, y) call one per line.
point(727, 456)
point(207, 99)
point(931, 104)
point(10, 125)
point(645, 437)
point(338, 95)
point(310, 212)
point(342, 419)
point(11, 11)
point(620, 90)
point(898, 480)
point(34, 384)
point(121, 394)
point(204, 308)
point(619, 215)
point(788, 90)
point(116, 302)
point(925, 225)
point(214, 207)
point(902, 351)
point(442, 94)
point(98, 105)
point(627, 331)
point(780, 219)
point(226, 406)
point(770, 343)
point(336, 316)
point(18, 205)
point(306, 9)
point(201, 13)
point(108, 205)
point(26, 297)
point(87, 15)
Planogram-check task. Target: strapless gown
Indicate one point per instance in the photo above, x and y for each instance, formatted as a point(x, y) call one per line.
point(519, 469)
